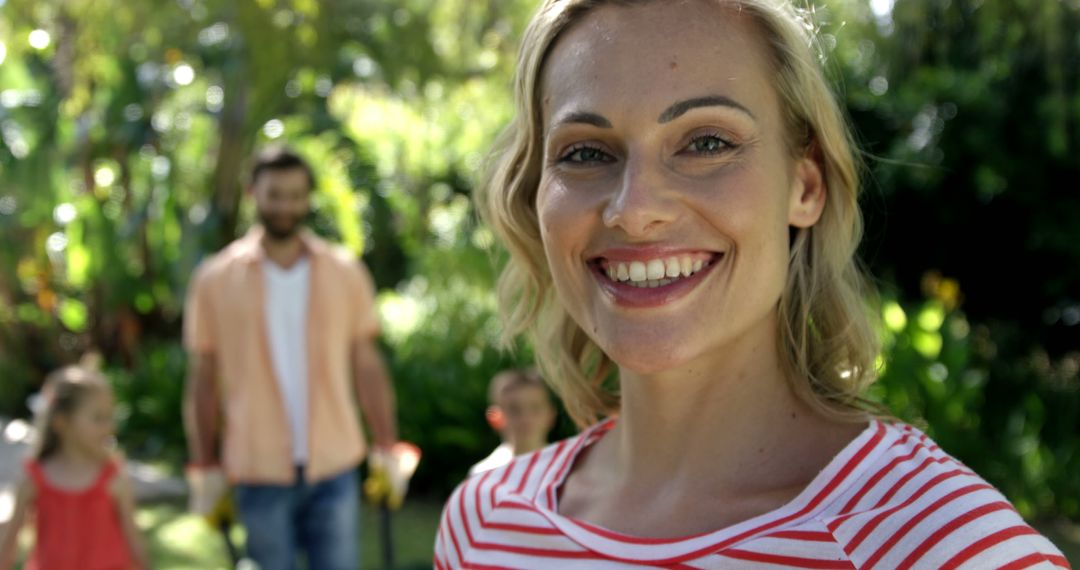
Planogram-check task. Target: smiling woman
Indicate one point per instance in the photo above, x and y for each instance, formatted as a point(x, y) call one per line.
point(679, 197)
point(835, 355)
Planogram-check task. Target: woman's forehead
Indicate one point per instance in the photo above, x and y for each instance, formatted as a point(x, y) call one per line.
point(653, 54)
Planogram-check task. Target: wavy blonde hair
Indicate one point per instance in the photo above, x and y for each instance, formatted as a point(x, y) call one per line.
point(826, 333)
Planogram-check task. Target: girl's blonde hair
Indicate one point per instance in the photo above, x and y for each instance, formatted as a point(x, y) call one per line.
point(826, 333)
point(63, 392)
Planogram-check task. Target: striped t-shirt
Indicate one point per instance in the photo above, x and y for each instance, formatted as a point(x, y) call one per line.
point(890, 499)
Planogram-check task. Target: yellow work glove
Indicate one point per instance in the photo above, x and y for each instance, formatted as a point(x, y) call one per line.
point(223, 511)
point(389, 471)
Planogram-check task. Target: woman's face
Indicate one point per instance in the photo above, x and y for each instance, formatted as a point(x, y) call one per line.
point(668, 188)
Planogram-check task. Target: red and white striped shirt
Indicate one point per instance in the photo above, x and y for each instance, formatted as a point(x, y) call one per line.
point(890, 499)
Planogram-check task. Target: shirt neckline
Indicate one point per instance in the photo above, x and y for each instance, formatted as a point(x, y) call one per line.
point(844, 468)
point(298, 266)
point(103, 472)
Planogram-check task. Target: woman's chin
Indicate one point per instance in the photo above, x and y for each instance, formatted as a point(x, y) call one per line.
point(648, 362)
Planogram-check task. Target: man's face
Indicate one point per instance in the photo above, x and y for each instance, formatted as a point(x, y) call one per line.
point(282, 200)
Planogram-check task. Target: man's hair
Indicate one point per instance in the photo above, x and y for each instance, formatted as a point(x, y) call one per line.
point(280, 157)
point(514, 378)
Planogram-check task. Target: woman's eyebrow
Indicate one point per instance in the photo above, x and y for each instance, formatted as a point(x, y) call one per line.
point(584, 117)
point(678, 109)
point(670, 114)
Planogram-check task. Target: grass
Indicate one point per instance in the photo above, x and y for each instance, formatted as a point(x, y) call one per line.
point(179, 541)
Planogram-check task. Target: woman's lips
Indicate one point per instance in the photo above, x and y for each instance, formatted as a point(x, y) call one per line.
point(650, 281)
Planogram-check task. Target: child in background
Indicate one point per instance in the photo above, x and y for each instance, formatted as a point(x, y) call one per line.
point(83, 502)
point(521, 412)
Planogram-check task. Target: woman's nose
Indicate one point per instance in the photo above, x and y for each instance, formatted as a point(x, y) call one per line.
point(643, 200)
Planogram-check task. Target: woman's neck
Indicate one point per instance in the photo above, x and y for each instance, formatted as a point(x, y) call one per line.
point(684, 419)
point(710, 444)
point(728, 422)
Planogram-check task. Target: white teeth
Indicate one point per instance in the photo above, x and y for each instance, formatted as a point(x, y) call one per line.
point(672, 267)
point(651, 283)
point(656, 269)
point(653, 273)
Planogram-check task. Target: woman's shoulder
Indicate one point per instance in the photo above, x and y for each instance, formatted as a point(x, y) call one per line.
point(499, 509)
point(524, 473)
point(522, 482)
point(916, 505)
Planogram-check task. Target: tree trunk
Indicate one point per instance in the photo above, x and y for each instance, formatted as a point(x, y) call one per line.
point(233, 145)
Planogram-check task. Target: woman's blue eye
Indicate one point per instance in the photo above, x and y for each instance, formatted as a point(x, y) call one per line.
point(585, 154)
point(709, 144)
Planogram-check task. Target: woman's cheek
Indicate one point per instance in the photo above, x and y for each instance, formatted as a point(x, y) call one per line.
point(556, 198)
point(564, 217)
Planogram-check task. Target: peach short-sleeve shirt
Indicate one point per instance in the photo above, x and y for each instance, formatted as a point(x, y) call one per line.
point(224, 316)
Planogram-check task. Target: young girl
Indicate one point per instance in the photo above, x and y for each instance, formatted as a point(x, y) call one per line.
point(679, 196)
point(82, 501)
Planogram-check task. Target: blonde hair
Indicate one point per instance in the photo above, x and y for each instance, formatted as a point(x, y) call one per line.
point(827, 337)
point(64, 391)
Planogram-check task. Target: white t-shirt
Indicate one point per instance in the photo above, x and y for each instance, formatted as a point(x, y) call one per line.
point(286, 329)
point(890, 499)
point(501, 456)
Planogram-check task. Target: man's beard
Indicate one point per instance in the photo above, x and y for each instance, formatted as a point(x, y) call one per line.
point(281, 229)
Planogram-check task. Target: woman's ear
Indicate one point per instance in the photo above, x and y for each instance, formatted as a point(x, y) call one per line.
point(808, 191)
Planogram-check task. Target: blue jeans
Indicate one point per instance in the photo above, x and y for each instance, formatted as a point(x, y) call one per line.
point(320, 521)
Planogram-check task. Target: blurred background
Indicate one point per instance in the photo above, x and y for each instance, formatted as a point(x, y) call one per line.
point(125, 126)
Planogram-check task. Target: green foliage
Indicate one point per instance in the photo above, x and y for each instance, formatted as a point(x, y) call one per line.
point(148, 396)
point(939, 375)
point(122, 168)
point(969, 110)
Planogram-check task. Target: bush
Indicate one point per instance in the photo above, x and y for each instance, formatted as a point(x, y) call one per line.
point(1010, 417)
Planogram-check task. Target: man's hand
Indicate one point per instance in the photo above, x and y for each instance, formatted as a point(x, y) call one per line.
point(208, 489)
point(389, 471)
